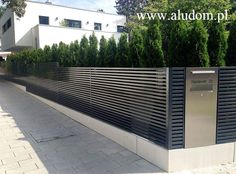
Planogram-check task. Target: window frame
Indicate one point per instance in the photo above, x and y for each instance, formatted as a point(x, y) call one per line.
point(71, 23)
point(42, 18)
point(118, 28)
point(96, 24)
point(6, 25)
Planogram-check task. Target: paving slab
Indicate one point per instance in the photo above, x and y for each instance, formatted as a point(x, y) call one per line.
point(36, 139)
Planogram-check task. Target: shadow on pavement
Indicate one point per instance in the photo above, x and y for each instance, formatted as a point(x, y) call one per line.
point(34, 138)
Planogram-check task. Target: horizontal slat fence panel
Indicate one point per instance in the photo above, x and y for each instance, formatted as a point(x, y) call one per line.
point(132, 99)
point(226, 122)
point(134, 96)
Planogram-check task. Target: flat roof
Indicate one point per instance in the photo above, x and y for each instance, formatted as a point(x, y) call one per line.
point(44, 3)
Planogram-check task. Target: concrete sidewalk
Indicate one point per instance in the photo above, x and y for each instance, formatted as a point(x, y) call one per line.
point(34, 138)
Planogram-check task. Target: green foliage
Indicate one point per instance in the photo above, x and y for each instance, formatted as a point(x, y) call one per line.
point(109, 60)
point(201, 6)
point(122, 57)
point(102, 55)
point(54, 53)
point(197, 54)
point(231, 52)
point(153, 47)
point(233, 5)
point(136, 47)
point(64, 54)
point(17, 6)
point(92, 50)
point(217, 44)
point(187, 44)
point(178, 44)
point(64, 23)
point(47, 54)
point(83, 50)
point(75, 54)
point(129, 8)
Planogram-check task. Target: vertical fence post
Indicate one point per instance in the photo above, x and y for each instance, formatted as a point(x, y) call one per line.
point(176, 108)
point(168, 110)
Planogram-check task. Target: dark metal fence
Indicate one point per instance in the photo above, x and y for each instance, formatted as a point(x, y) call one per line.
point(134, 99)
point(149, 102)
point(226, 123)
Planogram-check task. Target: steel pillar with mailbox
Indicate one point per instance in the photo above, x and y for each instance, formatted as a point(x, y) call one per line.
point(200, 107)
point(202, 131)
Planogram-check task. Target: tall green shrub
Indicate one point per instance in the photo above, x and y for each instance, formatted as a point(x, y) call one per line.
point(55, 56)
point(197, 46)
point(109, 60)
point(83, 49)
point(47, 54)
point(64, 54)
point(177, 48)
point(122, 58)
point(74, 53)
point(93, 50)
point(154, 56)
point(217, 44)
point(40, 54)
point(136, 47)
point(102, 55)
point(231, 52)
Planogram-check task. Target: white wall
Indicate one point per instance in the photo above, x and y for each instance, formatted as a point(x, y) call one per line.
point(49, 35)
point(8, 38)
point(24, 35)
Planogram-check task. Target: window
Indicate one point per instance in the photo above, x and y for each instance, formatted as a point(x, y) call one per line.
point(73, 23)
point(120, 28)
point(97, 26)
point(44, 20)
point(6, 26)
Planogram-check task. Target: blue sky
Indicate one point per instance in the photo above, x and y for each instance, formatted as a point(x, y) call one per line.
point(106, 5)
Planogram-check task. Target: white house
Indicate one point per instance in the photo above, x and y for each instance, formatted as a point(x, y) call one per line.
point(47, 23)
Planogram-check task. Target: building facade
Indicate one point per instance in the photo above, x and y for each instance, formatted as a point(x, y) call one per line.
point(47, 23)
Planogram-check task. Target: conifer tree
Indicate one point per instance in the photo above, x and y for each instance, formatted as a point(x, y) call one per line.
point(111, 53)
point(122, 58)
point(77, 53)
point(154, 56)
point(83, 50)
point(102, 55)
point(177, 48)
point(64, 53)
point(54, 49)
point(231, 52)
point(92, 50)
point(136, 47)
point(47, 54)
point(197, 55)
point(217, 44)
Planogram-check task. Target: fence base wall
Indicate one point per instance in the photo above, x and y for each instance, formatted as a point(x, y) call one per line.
point(168, 160)
point(200, 157)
